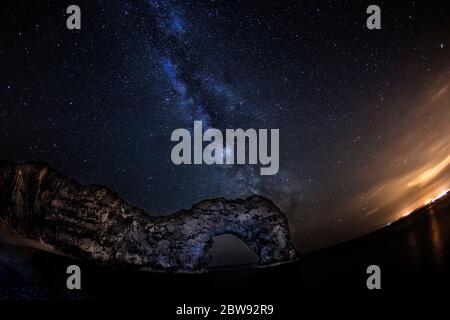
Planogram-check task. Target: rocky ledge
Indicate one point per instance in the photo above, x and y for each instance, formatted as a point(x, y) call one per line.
point(42, 205)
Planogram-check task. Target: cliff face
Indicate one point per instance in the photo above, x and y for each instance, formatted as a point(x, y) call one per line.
point(92, 222)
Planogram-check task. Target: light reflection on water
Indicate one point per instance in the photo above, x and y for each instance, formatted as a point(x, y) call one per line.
point(436, 241)
point(427, 242)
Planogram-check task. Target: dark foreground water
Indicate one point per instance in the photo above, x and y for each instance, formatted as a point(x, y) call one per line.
point(413, 254)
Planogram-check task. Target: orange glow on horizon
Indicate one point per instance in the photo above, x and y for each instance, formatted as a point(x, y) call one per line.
point(427, 202)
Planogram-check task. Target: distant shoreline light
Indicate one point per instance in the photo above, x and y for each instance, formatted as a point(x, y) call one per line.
point(427, 202)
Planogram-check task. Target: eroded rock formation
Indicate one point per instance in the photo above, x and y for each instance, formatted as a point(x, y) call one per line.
point(92, 222)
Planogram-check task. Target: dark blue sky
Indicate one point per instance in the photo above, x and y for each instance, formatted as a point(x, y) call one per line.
point(355, 108)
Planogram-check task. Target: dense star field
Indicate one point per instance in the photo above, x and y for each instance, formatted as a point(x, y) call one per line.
point(363, 114)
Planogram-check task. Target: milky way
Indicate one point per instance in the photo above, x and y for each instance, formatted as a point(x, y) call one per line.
point(363, 115)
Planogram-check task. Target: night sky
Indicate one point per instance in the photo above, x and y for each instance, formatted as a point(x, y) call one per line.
point(363, 115)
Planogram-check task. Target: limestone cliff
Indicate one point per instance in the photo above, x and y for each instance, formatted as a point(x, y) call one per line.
point(41, 204)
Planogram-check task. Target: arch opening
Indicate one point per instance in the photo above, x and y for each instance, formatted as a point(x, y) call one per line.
point(227, 250)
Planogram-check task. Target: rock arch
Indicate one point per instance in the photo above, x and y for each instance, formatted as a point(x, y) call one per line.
point(92, 222)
